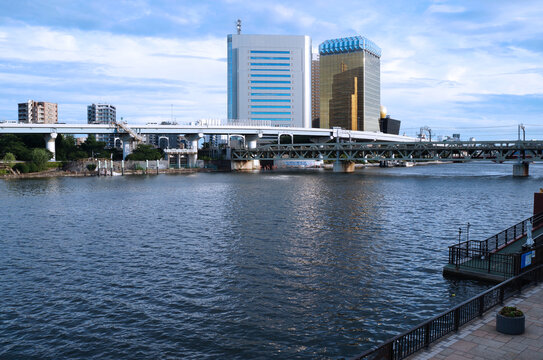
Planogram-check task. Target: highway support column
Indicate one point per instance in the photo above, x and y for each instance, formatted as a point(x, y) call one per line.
point(193, 139)
point(128, 146)
point(50, 144)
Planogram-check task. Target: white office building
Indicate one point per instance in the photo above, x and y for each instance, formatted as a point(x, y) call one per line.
point(103, 114)
point(269, 80)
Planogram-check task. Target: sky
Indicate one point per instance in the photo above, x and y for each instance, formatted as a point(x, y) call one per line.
point(468, 67)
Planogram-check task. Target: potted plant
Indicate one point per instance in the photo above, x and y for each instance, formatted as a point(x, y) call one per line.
point(510, 321)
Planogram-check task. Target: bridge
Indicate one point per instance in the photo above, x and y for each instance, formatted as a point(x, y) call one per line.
point(345, 154)
point(130, 134)
point(344, 147)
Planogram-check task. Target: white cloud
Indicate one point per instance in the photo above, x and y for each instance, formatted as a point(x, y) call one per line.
point(119, 60)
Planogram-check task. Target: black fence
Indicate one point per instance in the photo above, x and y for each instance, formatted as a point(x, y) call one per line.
point(423, 335)
point(482, 255)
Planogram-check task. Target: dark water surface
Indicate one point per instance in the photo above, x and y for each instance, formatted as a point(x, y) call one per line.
point(270, 265)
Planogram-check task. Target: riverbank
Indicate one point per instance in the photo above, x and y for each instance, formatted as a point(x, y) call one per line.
point(62, 173)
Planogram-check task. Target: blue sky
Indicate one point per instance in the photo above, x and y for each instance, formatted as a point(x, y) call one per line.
point(472, 67)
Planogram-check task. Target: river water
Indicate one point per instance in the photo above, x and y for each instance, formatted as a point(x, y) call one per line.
point(239, 265)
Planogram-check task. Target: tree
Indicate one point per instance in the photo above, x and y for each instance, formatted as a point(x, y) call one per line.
point(40, 157)
point(94, 148)
point(9, 159)
point(14, 144)
point(145, 152)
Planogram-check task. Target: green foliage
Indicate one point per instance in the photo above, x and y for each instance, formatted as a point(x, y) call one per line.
point(39, 158)
point(14, 144)
point(94, 148)
point(21, 167)
point(32, 167)
point(9, 159)
point(145, 152)
point(511, 311)
point(54, 164)
point(91, 167)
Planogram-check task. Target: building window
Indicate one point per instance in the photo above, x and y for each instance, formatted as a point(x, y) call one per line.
point(269, 52)
point(270, 82)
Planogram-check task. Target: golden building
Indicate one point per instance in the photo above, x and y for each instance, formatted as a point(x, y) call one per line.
point(350, 84)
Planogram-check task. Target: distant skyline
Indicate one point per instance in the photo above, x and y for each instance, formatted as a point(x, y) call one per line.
point(473, 68)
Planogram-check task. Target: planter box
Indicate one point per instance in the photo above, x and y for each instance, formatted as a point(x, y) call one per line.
point(510, 325)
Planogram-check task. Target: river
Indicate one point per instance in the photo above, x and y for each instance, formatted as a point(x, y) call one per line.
point(307, 264)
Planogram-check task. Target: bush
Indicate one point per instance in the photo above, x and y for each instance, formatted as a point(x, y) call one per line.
point(21, 167)
point(91, 167)
point(511, 311)
point(33, 167)
point(40, 157)
point(9, 159)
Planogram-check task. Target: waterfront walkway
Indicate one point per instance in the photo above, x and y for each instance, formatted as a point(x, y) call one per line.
point(480, 340)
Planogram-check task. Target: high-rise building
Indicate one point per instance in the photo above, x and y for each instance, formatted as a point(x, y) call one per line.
point(38, 112)
point(269, 79)
point(315, 92)
point(350, 84)
point(103, 114)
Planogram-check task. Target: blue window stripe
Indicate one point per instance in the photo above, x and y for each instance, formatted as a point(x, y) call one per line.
point(270, 58)
point(270, 100)
point(270, 88)
point(270, 81)
point(271, 94)
point(269, 52)
point(270, 106)
point(269, 75)
point(270, 69)
point(271, 112)
point(270, 64)
point(272, 119)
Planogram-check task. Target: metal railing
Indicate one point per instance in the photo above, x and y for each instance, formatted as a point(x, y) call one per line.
point(483, 255)
point(422, 335)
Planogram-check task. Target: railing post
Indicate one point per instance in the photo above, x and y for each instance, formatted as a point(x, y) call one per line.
point(505, 236)
point(457, 255)
point(489, 260)
point(481, 305)
point(496, 242)
point(427, 335)
point(456, 319)
point(502, 293)
point(515, 231)
point(390, 351)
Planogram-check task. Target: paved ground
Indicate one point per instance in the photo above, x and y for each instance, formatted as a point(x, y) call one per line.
point(480, 340)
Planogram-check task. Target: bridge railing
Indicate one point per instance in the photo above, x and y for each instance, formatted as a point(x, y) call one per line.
point(423, 335)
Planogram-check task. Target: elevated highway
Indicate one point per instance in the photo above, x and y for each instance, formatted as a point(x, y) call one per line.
point(132, 133)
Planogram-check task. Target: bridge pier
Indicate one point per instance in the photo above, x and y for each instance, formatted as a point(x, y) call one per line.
point(193, 139)
point(246, 165)
point(128, 146)
point(50, 144)
point(343, 166)
point(521, 169)
point(252, 140)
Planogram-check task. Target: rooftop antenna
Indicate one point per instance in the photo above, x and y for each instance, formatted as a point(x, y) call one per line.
point(238, 26)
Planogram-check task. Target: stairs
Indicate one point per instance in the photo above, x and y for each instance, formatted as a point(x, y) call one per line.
point(123, 128)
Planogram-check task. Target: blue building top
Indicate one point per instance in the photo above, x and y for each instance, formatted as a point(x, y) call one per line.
point(349, 44)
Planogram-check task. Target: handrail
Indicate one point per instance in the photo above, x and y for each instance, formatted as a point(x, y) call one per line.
point(420, 336)
point(463, 253)
point(508, 235)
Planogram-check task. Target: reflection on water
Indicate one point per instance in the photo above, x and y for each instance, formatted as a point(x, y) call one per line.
point(290, 264)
